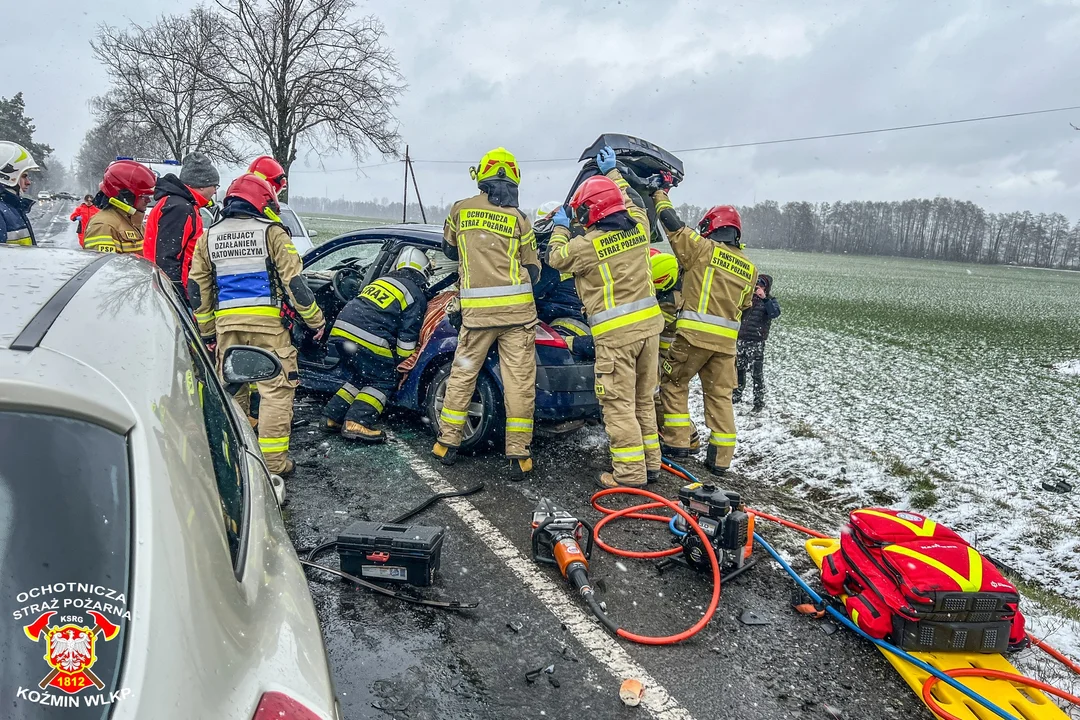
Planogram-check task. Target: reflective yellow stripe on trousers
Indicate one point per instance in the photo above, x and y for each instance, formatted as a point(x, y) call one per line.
point(274, 445)
point(676, 420)
point(454, 417)
point(652, 442)
point(628, 454)
point(519, 424)
point(723, 439)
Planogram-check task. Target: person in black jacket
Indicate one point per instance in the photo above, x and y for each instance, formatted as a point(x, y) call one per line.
point(371, 335)
point(754, 331)
point(174, 224)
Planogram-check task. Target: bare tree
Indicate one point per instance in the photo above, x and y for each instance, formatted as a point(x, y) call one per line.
point(161, 77)
point(115, 133)
point(304, 71)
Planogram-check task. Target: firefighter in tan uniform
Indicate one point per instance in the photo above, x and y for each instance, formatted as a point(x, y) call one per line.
point(493, 243)
point(612, 273)
point(718, 281)
point(126, 190)
point(242, 271)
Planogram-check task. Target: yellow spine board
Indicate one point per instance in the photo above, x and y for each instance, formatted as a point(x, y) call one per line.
point(1023, 702)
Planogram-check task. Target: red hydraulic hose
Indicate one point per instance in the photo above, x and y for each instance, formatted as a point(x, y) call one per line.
point(636, 510)
point(1054, 653)
point(786, 523)
point(931, 703)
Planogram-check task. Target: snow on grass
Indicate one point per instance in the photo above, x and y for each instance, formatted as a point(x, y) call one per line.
point(928, 386)
point(1069, 367)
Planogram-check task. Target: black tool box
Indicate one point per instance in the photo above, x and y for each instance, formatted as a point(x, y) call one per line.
point(384, 551)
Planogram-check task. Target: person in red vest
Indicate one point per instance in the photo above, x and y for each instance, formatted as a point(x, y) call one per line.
point(175, 224)
point(82, 214)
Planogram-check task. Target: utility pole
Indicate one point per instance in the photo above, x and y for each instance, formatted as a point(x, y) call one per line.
point(416, 188)
point(405, 194)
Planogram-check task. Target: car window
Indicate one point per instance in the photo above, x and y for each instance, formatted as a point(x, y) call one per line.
point(292, 222)
point(443, 265)
point(361, 254)
point(65, 550)
point(226, 448)
point(226, 452)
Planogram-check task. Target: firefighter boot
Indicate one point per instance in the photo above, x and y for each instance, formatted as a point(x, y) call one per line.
point(652, 476)
point(607, 480)
point(356, 431)
point(710, 462)
point(675, 453)
point(447, 454)
point(331, 426)
point(520, 468)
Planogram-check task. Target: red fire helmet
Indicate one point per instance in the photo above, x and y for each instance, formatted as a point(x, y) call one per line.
point(270, 170)
point(256, 191)
point(720, 216)
point(595, 199)
point(130, 176)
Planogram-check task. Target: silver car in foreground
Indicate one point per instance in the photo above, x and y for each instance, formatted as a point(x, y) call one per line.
point(145, 571)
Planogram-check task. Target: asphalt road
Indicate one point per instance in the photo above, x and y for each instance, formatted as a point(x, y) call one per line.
point(392, 660)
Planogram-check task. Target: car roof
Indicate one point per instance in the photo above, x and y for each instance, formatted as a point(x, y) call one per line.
point(405, 231)
point(92, 336)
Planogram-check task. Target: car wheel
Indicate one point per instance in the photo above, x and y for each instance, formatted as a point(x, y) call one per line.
point(485, 422)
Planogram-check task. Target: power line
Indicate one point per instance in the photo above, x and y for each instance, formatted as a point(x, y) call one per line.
point(351, 169)
point(897, 128)
point(756, 143)
point(881, 130)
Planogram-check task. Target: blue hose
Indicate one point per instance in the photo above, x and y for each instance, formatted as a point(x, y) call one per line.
point(846, 622)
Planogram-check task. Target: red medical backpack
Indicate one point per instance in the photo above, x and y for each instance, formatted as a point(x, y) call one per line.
point(917, 583)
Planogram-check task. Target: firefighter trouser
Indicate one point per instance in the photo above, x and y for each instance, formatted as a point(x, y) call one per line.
point(717, 371)
point(276, 394)
point(625, 384)
point(517, 366)
point(364, 397)
point(751, 354)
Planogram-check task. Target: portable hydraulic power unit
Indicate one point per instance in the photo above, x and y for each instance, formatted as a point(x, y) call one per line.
point(722, 517)
point(384, 551)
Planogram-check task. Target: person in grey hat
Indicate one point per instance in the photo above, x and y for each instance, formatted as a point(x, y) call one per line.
point(175, 222)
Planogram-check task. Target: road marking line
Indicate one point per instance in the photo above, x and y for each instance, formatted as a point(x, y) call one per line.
point(657, 701)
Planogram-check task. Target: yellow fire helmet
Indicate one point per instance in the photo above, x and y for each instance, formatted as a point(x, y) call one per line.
point(665, 269)
point(495, 163)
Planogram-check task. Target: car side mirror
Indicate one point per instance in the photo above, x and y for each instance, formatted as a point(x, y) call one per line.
point(245, 364)
point(313, 233)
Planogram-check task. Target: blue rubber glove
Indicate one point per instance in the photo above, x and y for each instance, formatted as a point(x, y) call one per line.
point(561, 218)
point(605, 160)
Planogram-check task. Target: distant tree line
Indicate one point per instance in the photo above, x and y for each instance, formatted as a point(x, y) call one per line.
point(938, 229)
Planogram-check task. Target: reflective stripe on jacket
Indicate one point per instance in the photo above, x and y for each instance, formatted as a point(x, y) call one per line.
point(15, 228)
point(242, 270)
point(717, 285)
point(495, 245)
point(613, 276)
point(114, 231)
point(387, 316)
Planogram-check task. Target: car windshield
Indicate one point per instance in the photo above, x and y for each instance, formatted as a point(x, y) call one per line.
point(289, 220)
point(65, 551)
point(358, 255)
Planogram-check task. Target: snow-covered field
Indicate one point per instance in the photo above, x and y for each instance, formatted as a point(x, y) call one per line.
point(937, 386)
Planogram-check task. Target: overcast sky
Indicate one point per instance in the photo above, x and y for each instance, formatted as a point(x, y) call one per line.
point(545, 77)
